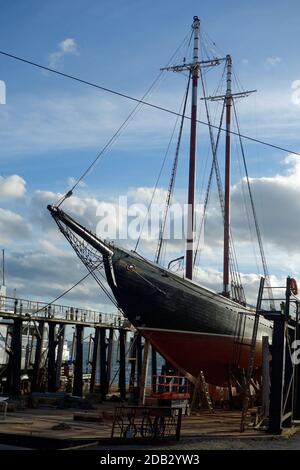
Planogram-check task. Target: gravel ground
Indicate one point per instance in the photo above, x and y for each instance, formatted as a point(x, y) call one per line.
point(264, 443)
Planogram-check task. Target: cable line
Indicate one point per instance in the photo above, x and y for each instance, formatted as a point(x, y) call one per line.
point(141, 101)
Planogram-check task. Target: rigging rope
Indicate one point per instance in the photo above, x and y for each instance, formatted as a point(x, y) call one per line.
point(64, 293)
point(234, 269)
point(159, 175)
point(152, 105)
point(173, 178)
point(119, 130)
point(214, 147)
point(258, 233)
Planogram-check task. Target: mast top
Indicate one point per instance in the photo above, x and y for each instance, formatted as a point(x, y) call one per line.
point(195, 64)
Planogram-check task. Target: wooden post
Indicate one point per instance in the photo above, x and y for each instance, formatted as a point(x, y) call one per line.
point(103, 369)
point(16, 357)
point(139, 358)
point(133, 361)
point(277, 377)
point(109, 357)
point(77, 382)
point(95, 360)
point(265, 375)
point(153, 369)
point(122, 363)
point(60, 350)
point(143, 382)
point(35, 384)
point(51, 357)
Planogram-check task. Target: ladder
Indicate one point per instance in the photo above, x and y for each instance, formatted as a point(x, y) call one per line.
point(205, 391)
point(201, 389)
point(246, 397)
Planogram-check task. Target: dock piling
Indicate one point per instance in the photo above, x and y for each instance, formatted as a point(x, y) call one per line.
point(51, 357)
point(103, 364)
point(122, 365)
point(35, 383)
point(95, 360)
point(77, 381)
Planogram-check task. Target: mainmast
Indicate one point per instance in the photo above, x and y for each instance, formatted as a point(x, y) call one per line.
point(228, 104)
point(192, 164)
point(194, 68)
point(228, 97)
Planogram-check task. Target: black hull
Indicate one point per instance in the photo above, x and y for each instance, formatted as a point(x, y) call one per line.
point(193, 327)
point(153, 297)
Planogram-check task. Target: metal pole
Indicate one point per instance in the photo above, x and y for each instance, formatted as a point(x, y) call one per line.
point(192, 162)
point(226, 288)
point(3, 268)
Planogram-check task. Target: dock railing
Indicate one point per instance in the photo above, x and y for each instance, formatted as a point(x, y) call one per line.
point(171, 387)
point(36, 310)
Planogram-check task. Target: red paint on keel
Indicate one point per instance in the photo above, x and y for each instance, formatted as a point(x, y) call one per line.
point(192, 352)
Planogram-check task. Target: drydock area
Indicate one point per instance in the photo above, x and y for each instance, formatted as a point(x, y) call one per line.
point(69, 429)
point(128, 403)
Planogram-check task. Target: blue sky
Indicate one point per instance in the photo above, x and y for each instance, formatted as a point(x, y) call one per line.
point(51, 127)
point(122, 45)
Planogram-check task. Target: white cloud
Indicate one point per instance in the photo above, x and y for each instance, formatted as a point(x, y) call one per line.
point(295, 98)
point(2, 92)
point(12, 227)
point(72, 181)
point(47, 271)
point(144, 195)
point(65, 47)
point(48, 266)
point(272, 61)
point(277, 200)
point(31, 125)
point(51, 266)
point(68, 46)
point(12, 187)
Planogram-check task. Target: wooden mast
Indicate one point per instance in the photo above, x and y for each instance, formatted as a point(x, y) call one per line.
point(192, 163)
point(194, 68)
point(228, 98)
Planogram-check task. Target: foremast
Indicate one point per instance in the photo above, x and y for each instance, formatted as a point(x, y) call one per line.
point(228, 104)
point(192, 160)
point(194, 68)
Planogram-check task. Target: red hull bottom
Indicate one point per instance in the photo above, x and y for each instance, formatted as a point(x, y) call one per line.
point(192, 352)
